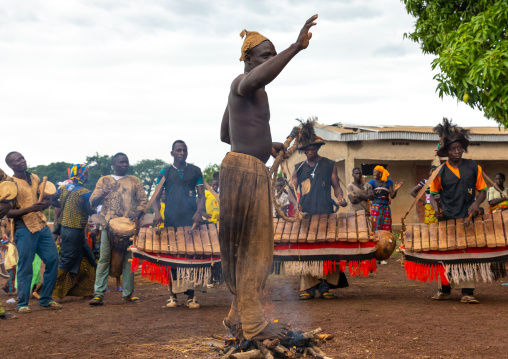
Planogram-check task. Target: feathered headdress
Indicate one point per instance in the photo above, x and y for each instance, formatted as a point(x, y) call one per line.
point(308, 135)
point(449, 133)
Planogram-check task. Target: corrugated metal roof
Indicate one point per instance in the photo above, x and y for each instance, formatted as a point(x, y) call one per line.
point(414, 133)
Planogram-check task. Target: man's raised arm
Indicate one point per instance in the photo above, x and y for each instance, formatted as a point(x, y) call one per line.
point(265, 73)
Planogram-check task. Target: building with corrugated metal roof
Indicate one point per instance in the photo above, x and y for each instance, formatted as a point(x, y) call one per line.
point(406, 152)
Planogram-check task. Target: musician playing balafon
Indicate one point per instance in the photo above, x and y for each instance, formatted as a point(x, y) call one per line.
point(456, 183)
point(314, 179)
point(246, 223)
point(183, 182)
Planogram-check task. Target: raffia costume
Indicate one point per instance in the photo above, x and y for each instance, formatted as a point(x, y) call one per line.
point(456, 186)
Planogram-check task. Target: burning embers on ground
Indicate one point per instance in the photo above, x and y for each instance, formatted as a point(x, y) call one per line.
point(294, 345)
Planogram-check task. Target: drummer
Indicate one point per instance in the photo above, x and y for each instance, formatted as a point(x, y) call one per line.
point(121, 195)
point(32, 236)
point(314, 178)
point(4, 209)
point(456, 183)
point(183, 181)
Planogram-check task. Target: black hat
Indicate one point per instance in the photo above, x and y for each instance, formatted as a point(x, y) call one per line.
point(308, 135)
point(449, 133)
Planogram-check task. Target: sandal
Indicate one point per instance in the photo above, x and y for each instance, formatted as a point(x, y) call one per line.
point(119, 289)
point(305, 296)
point(96, 301)
point(24, 310)
point(172, 303)
point(469, 299)
point(328, 295)
point(441, 295)
point(131, 299)
point(53, 305)
point(193, 303)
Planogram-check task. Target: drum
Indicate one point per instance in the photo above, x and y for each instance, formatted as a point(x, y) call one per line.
point(477, 251)
point(120, 231)
point(122, 227)
point(49, 189)
point(385, 244)
point(8, 191)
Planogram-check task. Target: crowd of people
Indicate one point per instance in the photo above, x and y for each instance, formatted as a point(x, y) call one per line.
point(78, 263)
point(86, 254)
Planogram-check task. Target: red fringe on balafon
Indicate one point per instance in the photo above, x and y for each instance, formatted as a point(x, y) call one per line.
point(356, 268)
point(153, 272)
point(425, 273)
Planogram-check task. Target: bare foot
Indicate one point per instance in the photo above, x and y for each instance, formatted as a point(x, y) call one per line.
point(233, 328)
point(272, 331)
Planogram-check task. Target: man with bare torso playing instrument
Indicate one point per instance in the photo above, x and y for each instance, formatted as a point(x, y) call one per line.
point(246, 224)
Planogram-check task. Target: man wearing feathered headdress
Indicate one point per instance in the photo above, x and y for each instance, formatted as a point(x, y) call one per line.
point(314, 178)
point(246, 224)
point(456, 183)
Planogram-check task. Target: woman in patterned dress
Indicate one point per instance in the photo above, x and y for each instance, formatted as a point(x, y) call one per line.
point(76, 269)
point(384, 189)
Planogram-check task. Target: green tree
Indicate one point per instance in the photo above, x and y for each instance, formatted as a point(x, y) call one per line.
point(147, 171)
point(98, 166)
point(208, 172)
point(56, 171)
point(470, 40)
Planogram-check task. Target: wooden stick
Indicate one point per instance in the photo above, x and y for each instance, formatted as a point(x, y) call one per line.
point(263, 349)
point(467, 221)
point(41, 195)
point(11, 221)
point(312, 352)
point(208, 187)
point(319, 351)
point(271, 344)
point(251, 354)
point(312, 333)
point(155, 193)
point(231, 351)
point(283, 351)
point(190, 231)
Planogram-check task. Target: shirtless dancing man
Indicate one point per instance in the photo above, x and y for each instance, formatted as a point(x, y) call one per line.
point(246, 224)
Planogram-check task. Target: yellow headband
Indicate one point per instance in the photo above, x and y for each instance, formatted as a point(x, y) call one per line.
point(252, 39)
point(385, 173)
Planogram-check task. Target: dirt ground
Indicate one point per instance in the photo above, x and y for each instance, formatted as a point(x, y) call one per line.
point(382, 316)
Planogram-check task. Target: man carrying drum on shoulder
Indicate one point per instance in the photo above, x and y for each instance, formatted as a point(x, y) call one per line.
point(183, 181)
point(456, 184)
point(32, 235)
point(121, 195)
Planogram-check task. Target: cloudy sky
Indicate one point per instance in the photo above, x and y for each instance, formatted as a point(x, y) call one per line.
point(79, 77)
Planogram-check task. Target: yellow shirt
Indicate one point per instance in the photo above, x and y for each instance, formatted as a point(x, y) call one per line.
point(126, 197)
point(27, 196)
point(11, 256)
point(212, 207)
point(163, 206)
